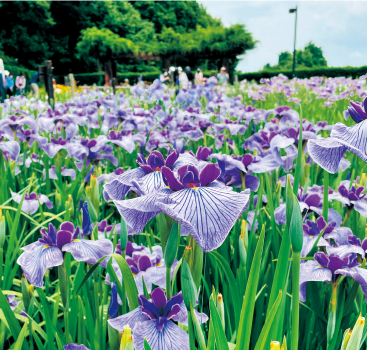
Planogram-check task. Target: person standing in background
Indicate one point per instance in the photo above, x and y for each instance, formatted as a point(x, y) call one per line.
point(182, 77)
point(2, 82)
point(199, 76)
point(34, 87)
point(164, 78)
point(222, 76)
point(189, 74)
point(9, 85)
point(20, 84)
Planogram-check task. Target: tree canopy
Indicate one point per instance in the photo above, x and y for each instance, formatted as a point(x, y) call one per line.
point(310, 57)
point(77, 35)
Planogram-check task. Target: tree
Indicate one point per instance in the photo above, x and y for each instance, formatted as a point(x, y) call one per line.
point(311, 56)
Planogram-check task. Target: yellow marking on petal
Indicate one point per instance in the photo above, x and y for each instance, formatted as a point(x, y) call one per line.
point(76, 240)
point(196, 188)
point(46, 246)
point(159, 264)
point(134, 274)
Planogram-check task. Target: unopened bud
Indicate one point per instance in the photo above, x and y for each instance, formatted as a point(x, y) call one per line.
point(274, 345)
point(126, 339)
point(352, 339)
point(2, 229)
point(220, 308)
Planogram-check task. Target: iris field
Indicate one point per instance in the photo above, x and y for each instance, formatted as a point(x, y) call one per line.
point(186, 219)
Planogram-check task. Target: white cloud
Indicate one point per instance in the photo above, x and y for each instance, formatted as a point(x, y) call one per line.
point(355, 54)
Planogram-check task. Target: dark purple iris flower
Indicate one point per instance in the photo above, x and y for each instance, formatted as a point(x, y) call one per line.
point(152, 321)
point(31, 201)
point(148, 177)
point(353, 198)
point(206, 208)
point(327, 268)
point(48, 251)
point(234, 171)
point(144, 263)
point(311, 232)
point(358, 110)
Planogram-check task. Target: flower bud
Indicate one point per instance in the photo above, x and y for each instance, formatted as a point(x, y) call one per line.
point(58, 201)
point(2, 229)
point(27, 292)
point(94, 192)
point(244, 233)
point(71, 207)
point(220, 308)
point(356, 336)
point(172, 246)
point(126, 339)
point(274, 345)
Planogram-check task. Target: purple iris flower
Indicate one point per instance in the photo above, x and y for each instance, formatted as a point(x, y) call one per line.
point(14, 304)
point(311, 201)
point(344, 246)
point(145, 264)
point(11, 150)
point(148, 177)
point(327, 268)
point(48, 251)
point(358, 110)
point(329, 152)
point(353, 197)
point(64, 172)
point(111, 176)
point(31, 201)
point(75, 347)
point(311, 232)
point(83, 150)
point(233, 168)
point(124, 139)
point(152, 321)
point(206, 208)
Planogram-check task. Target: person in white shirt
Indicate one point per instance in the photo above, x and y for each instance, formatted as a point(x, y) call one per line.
point(182, 77)
point(199, 76)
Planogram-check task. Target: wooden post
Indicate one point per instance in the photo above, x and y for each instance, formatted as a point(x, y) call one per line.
point(72, 84)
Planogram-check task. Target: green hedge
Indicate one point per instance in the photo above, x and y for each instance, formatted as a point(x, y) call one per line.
point(99, 78)
point(330, 72)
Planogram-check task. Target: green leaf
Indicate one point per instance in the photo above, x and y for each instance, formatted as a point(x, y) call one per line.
point(198, 332)
point(220, 336)
point(262, 342)
point(172, 245)
point(234, 290)
point(146, 345)
point(248, 305)
point(13, 323)
point(92, 211)
point(19, 343)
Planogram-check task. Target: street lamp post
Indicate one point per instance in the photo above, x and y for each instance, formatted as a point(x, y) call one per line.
point(295, 36)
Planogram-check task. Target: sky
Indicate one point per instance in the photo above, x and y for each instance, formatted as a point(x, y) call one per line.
point(338, 27)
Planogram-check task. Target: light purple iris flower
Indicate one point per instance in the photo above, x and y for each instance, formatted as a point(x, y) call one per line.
point(75, 347)
point(353, 197)
point(83, 150)
point(205, 208)
point(124, 139)
point(48, 251)
point(64, 172)
point(329, 152)
point(31, 201)
point(311, 201)
point(327, 268)
point(11, 150)
point(14, 304)
point(148, 177)
point(152, 321)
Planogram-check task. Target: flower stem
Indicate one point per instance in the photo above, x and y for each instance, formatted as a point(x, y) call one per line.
point(334, 290)
point(295, 298)
point(325, 204)
point(191, 331)
point(168, 283)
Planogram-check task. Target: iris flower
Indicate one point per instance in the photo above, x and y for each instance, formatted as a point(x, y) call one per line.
point(357, 110)
point(329, 152)
point(152, 321)
point(205, 208)
point(48, 251)
point(31, 201)
point(328, 268)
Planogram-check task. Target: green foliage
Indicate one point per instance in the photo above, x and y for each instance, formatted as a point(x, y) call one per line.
point(99, 42)
point(310, 57)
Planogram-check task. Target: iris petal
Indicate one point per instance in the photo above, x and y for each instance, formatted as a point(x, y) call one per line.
point(130, 319)
point(36, 259)
point(208, 213)
point(89, 251)
point(171, 337)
